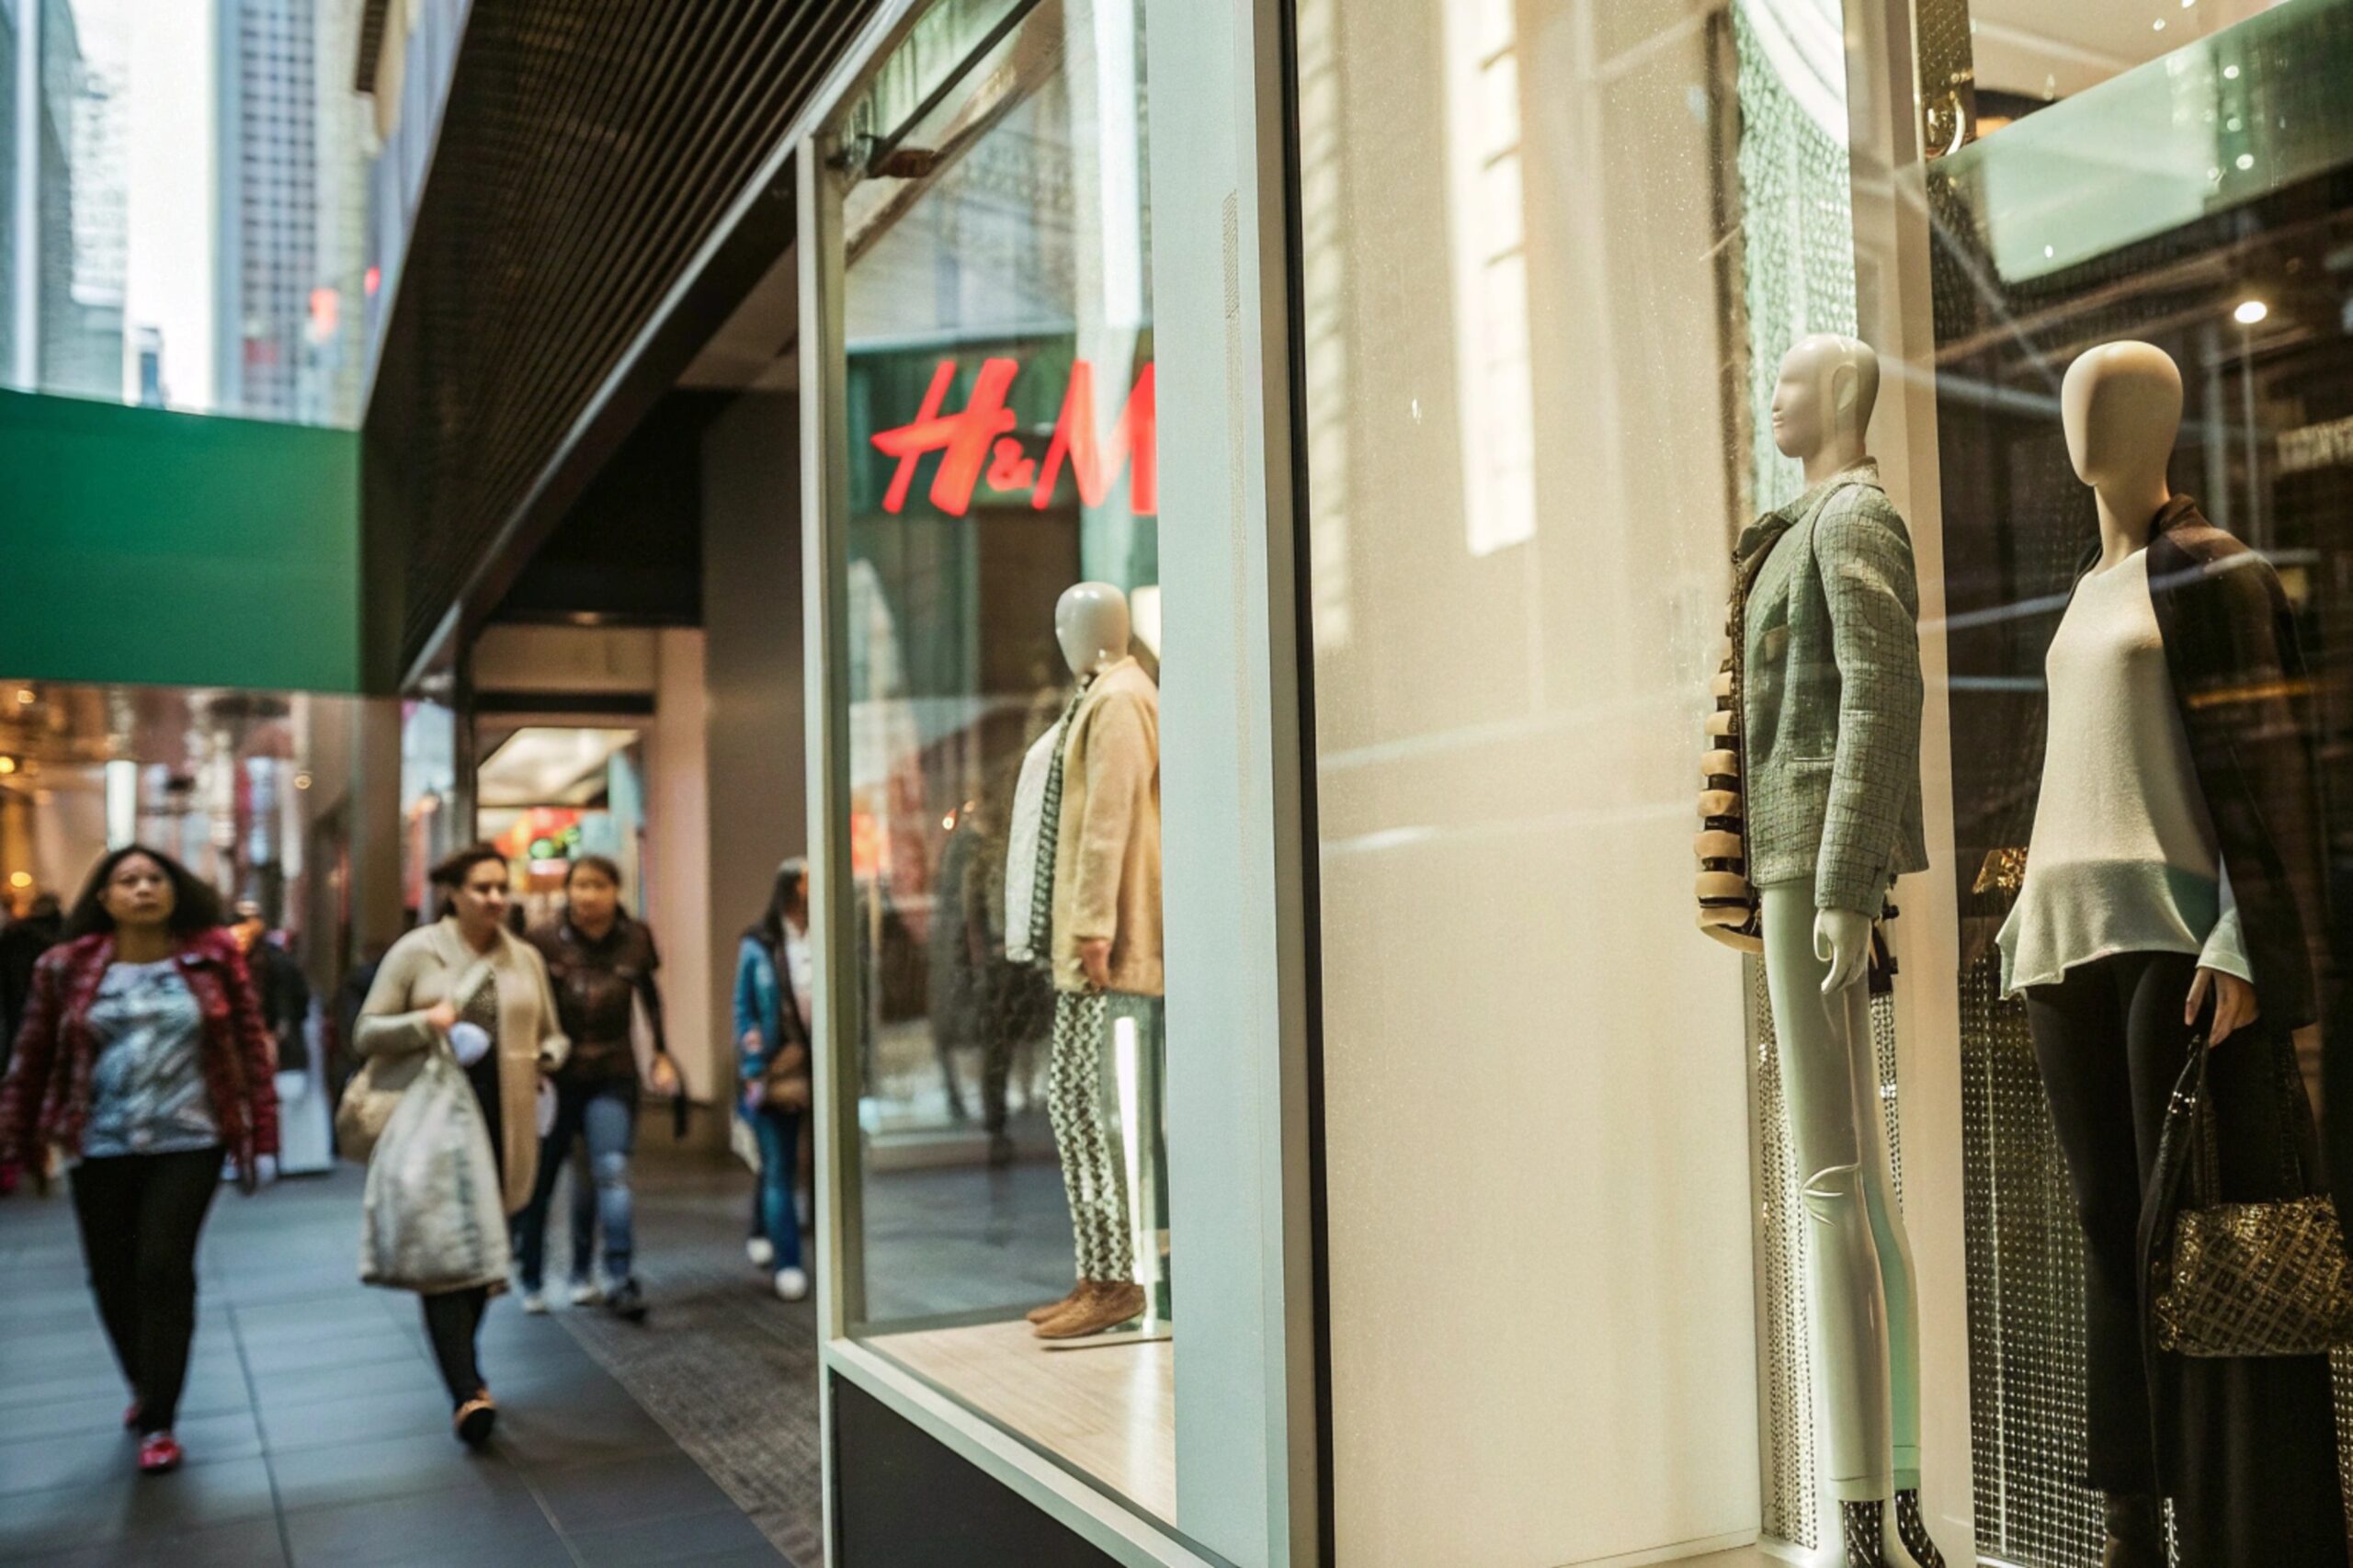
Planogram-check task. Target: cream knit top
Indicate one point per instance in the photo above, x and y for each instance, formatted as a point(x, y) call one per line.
point(2123, 857)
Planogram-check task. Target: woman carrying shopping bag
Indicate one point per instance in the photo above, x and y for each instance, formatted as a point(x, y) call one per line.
point(456, 1034)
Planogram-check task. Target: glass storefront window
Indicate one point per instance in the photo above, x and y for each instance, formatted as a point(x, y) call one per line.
point(2197, 204)
point(1002, 604)
point(1589, 296)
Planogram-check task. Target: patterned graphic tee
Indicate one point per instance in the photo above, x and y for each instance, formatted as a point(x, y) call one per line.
point(147, 1093)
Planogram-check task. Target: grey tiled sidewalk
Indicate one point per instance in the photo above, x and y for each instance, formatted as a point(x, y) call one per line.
point(316, 1428)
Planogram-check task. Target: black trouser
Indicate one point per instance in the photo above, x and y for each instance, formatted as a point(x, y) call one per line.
point(139, 1215)
point(453, 1318)
point(452, 1323)
point(2249, 1445)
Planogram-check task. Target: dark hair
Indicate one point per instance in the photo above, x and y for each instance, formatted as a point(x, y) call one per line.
point(600, 864)
point(196, 905)
point(457, 865)
point(451, 874)
point(769, 932)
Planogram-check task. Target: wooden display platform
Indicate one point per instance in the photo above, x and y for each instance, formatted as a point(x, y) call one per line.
point(1111, 1413)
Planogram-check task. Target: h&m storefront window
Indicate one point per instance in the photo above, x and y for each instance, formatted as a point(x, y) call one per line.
point(997, 592)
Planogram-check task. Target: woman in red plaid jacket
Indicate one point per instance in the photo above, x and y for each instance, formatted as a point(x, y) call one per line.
point(144, 1060)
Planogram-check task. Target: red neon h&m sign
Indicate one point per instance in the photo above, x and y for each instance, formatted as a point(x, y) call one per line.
point(977, 447)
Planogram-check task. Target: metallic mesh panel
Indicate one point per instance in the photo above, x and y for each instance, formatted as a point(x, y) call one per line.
point(1947, 67)
point(588, 153)
point(2026, 1296)
point(1798, 223)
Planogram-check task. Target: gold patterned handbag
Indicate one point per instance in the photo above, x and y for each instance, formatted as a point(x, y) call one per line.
point(2263, 1278)
point(1729, 909)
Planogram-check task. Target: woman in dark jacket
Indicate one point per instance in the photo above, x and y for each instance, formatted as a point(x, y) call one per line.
point(143, 1061)
point(600, 964)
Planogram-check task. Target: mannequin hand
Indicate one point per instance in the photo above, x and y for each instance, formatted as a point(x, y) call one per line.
point(442, 1015)
point(471, 1041)
point(2235, 1006)
point(1095, 954)
point(1842, 938)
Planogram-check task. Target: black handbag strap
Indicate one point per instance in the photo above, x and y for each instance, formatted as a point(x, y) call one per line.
point(2188, 1172)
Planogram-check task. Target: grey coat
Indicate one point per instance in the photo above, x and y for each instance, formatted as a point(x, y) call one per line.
point(1831, 693)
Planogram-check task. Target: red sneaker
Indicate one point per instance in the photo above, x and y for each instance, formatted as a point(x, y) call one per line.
point(159, 1452)
point(130, 1416)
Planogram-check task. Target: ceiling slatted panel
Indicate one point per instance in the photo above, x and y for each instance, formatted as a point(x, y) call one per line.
point(589, 151)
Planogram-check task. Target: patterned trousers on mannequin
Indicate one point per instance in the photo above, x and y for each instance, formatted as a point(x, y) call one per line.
point(1078, 1103)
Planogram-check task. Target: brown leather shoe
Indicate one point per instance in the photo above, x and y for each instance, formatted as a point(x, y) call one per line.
point(1101, 1304)
point(1055, 1309)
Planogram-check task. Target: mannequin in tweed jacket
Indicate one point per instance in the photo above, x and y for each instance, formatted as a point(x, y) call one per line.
point(1830, 768)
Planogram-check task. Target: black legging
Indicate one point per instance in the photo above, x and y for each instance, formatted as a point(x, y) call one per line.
point(140, 1216)
point(452, 1320)
point(2250, 1444)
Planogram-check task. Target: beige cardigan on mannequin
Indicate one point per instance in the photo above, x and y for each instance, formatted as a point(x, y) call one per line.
point(423, 968)
point(1107, 860)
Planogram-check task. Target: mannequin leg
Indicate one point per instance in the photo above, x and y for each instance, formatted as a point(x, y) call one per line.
point(1898, 1281)
point(1092, 1178)
point(1844, 1274)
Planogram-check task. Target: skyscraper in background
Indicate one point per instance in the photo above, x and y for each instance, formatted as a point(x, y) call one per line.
point(182, 203)
point(44, 335)
point(269, 202)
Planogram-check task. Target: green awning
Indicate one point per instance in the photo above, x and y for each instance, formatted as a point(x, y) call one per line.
point(142, 546)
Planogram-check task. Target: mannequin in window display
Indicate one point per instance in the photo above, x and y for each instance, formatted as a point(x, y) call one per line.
point(1822, 774)
point(2167, 891)
point(1086, 825)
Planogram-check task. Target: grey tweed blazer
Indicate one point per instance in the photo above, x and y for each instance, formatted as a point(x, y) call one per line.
point(1830, 709)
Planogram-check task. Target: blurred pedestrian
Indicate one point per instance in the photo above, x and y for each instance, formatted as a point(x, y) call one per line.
point(277, 980)
point(775, 985)
point(143, 1061)
point(22, 942)
point(600, 963)
point(467, 986)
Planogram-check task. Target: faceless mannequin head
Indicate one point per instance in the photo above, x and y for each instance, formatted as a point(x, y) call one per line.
point(2121, 407)
point(1822, 404)
point(1091, 623)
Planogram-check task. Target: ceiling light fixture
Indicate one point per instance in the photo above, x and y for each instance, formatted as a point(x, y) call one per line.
point(2247, 160)
point(2229, 72)
point(2158, 26)
point(2250, 311)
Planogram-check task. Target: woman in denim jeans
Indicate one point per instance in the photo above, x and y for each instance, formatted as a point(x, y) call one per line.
point(775, 985)
point(600, 965)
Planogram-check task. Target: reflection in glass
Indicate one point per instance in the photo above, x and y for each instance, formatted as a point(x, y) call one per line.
point(1003, 489)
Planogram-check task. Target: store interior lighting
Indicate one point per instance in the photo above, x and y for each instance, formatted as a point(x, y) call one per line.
point(545, 766)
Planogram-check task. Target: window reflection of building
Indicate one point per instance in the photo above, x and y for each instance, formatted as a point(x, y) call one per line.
point(1485, 224)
